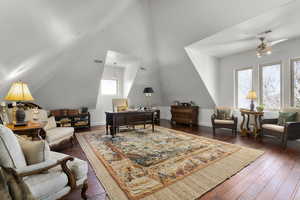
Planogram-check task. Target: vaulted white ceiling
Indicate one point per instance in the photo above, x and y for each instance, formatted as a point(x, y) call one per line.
point(282, 21)
point(52, 44)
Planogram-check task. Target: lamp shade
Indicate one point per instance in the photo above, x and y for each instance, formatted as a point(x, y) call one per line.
point(19, 91)
point(251, 95)
point(148, 90)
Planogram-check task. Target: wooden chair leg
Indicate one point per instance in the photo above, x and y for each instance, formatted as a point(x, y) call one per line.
point(284, 141)
point(84, 189)
point(73, 141)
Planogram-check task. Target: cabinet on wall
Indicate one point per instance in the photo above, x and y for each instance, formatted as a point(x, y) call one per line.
point(185, 114)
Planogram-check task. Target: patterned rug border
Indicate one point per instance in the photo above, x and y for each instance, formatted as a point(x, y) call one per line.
point(112, 185)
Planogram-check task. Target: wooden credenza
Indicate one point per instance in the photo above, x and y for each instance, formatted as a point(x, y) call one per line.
point(185, 114)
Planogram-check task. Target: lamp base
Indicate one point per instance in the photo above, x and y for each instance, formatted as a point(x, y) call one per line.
point(20, 116)
point(252, 106)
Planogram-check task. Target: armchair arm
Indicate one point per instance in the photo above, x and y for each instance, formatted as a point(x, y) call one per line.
point(269, 121)
point(35, 168)
point(40, 167)
point(293, 130)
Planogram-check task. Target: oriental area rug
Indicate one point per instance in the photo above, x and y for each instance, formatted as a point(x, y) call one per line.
point(161, 165)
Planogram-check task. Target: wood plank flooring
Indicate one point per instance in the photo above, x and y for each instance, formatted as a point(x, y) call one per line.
point(275, 175)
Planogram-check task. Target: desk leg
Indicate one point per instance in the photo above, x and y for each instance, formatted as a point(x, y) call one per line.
point(114, 127)
point(153, 122)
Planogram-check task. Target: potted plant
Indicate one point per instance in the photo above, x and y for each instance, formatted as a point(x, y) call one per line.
point(260, 108)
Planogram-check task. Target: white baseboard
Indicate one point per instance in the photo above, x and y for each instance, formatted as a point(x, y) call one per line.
point(97, 123)
point(208, 124)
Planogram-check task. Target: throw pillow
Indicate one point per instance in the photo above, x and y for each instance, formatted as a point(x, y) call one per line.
point(223, 114)
point(35, 151)
point(50, 124)
point(286, 117)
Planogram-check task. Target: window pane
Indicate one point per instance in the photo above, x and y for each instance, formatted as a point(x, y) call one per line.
point(244, 85)
point(109, 87)
point(296, 84)
point(271, 86)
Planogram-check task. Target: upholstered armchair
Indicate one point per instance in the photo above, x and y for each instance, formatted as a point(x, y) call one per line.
point(119, 105)
point(285, 132)
point(53, 178)
point(224, 118)
point(53, 134)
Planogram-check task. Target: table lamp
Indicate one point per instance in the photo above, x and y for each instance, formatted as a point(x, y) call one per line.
point(19, 92)
point(148, 91)
point(252, 96)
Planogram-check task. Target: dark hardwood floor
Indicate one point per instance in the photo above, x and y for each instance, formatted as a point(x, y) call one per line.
point(275, 175)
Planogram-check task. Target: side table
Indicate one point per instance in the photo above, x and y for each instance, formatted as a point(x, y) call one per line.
point(245, 129)
point(32, 129)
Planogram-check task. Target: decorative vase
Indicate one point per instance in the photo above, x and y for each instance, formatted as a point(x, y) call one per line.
point(20, 115)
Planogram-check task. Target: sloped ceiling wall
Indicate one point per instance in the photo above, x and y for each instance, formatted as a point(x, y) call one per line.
point(52, 45)
point(177, 24)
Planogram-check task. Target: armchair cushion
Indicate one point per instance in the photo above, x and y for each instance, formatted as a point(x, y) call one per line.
point(293, 110)
point(11, 154)
point(56, 135)
point(286, 117)
point(45, 185)
point(51, 123)
point(35, 151)
point(218, 121)
point(223, 113)
point(273, 127)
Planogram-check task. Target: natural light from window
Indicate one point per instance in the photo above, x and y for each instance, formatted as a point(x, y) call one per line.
point(271, 86)
point(244, 85)
point(109, 87)
point(296, 83)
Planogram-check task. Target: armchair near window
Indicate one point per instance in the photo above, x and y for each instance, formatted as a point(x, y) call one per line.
point(283, 133)
point(50, 179)
point(223, 118)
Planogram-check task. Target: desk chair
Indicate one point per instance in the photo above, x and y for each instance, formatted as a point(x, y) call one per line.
point(119, 105)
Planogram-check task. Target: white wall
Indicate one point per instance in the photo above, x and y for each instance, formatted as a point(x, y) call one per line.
point(177, 24)
point(104, 102)
point(207, 67)
point(130, 72)
point(281, 53)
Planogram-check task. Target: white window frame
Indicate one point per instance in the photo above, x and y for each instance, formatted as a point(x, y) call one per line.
point(292, 80)
point(236, 83)
point(111, 79)
point(261, 66)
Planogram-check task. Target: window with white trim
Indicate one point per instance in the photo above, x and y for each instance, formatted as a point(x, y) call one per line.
point(270, 85)
point(109, 87)
point(243, 86)
point(295, 82)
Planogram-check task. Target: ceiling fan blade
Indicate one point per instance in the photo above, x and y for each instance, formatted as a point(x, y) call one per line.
point(278, 41)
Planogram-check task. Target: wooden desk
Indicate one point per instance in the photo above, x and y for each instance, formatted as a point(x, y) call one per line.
point(245, 129)
point(32, 129)
point(116, 119)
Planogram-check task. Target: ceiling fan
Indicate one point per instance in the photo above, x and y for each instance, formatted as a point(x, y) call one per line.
point(265, 46)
